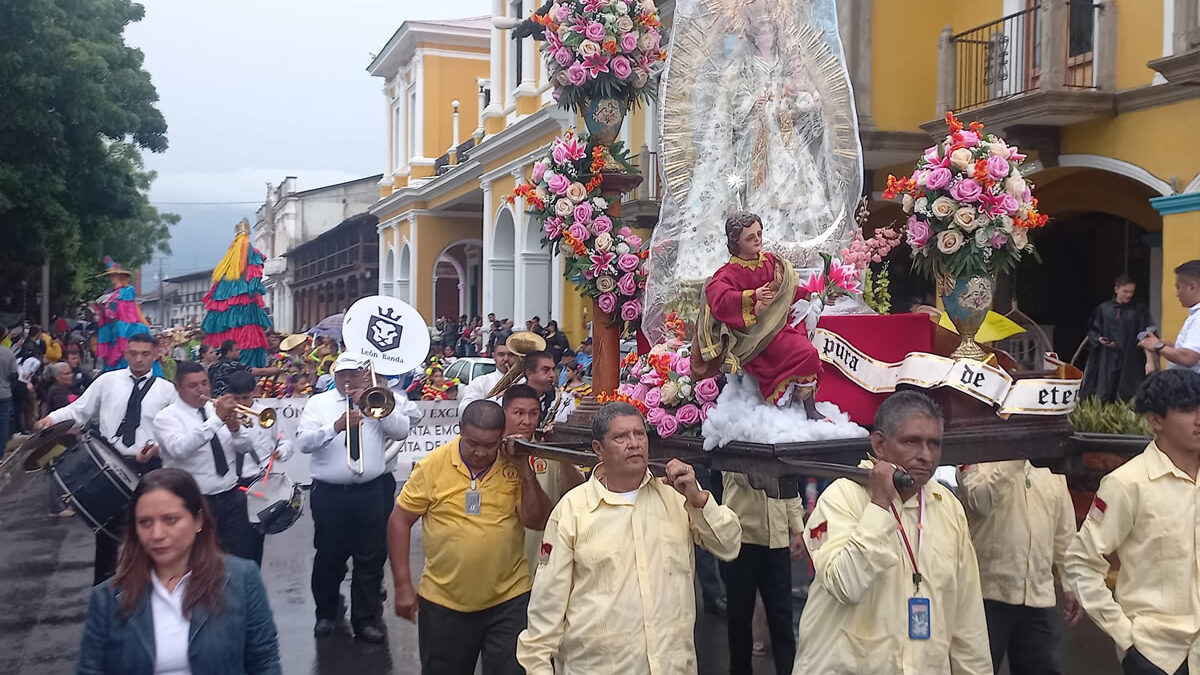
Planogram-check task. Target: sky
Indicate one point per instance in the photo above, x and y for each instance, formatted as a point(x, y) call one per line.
point(257, 90)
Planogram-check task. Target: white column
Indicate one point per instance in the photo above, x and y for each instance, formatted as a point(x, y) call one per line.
point(389, 107)
point(418, 149)
point(487, 282)
point(529, 53)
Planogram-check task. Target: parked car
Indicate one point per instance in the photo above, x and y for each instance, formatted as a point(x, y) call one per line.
point(465, 369)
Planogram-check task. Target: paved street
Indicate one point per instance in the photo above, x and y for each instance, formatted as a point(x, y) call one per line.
point(45, 565)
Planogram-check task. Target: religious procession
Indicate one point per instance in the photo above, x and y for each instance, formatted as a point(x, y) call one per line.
point(828, 366)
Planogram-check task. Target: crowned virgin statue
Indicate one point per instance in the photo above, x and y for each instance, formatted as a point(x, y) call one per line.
point(757, 116)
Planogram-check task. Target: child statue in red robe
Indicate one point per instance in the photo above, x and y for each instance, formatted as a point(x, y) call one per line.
point(746, 324)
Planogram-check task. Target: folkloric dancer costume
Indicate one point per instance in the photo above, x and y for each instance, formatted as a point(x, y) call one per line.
point(119, 317)
point(235, 303)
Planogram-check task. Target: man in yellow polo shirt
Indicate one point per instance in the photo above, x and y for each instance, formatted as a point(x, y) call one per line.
point(476, 502)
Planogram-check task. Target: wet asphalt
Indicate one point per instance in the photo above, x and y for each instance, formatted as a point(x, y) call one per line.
point(46, 574)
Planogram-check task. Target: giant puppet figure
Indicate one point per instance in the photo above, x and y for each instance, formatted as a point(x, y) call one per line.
point(119, 318)
point(746, 326)
point(236, 310)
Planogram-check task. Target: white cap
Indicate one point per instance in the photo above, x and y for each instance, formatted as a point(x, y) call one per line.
point(347, 361)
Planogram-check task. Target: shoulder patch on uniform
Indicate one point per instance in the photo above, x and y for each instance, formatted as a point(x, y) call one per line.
point(817, 534)
point(510, 472)
point(544, 558)
point(1098, 509)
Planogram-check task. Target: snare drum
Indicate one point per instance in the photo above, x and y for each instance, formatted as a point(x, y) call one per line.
point(274, 503)
point(97, 481)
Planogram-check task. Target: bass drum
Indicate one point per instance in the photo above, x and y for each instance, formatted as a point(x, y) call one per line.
point(274, 503)
point(97, 482)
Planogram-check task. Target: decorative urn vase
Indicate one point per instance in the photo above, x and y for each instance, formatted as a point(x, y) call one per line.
point(603, 118)
point(967, 300)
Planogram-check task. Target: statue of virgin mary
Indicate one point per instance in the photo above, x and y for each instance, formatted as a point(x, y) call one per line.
point(757, 116)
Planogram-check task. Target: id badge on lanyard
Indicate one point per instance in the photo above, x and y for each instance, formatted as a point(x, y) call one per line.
point(919, 614)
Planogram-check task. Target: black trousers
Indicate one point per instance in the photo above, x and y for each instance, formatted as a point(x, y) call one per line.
point(1136, 664)
point(350, 521)
point(759, 570)
point(233, 523)
point(451, 642)
point(1029, 635)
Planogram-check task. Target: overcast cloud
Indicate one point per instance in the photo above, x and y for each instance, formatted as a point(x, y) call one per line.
point(256, 90)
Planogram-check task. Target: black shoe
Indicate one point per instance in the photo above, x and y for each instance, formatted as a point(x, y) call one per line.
point(324, 628)
point(372, 634)
point(716, 607)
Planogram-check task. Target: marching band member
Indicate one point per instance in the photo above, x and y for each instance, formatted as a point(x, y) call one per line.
point(204, 438)
point(351, 497)
point(896, 585)
point(124, 403)
point(479, 387)
point(521, 411)
point(264, 446)
point(556, 404)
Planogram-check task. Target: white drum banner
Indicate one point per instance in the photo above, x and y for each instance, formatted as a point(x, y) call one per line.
point(982, 381)
point(438, 425)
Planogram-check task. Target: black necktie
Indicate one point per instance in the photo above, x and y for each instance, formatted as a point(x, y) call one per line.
point(355, 435)
point(133, 410)
point(218, 452)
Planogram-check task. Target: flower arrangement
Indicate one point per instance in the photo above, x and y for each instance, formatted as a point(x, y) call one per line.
point(601, 49)
point(605, 260)
point(970, 210)
point(863, 253)
point(661, 382)
point(835, 280)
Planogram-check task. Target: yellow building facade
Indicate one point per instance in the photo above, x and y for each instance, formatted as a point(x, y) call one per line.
point(1100, 95)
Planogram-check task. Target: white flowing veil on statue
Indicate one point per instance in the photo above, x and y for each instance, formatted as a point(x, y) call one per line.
point(757, 115)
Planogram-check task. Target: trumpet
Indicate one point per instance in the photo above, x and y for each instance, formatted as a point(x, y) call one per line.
point(266, 416)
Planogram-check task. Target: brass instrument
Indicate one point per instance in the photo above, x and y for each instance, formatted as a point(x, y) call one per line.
point(520, 343)
point(266, 416)
point(376, 402)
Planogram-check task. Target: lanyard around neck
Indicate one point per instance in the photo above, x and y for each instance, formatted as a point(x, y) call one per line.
point(474, 476)
point(913, 556)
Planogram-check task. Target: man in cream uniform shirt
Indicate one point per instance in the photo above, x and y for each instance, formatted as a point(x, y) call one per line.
point(1184, 351)
point(614, 593)
point(896, 585)
point(123, 403)
point(351, 497)
point(203, 437)
point(1022, 519)
point(1146, 512)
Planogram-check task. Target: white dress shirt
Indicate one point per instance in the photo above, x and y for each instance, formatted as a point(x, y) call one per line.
point(105, 401)
point(1189, 336)
point(330, 458)
point(186, 443)
point(477, 389)
point(170, 627)
point(263, 442)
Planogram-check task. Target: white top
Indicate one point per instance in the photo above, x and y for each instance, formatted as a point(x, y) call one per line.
point(1189, 336)
point(170, 628)
point(477, 389)
point(263, 443)
point(106, 399)
point(315, 435)
point(186, 443)
point(27, 368)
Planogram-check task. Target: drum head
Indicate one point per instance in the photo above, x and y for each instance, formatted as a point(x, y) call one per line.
point(274, 504)
point(42, 445)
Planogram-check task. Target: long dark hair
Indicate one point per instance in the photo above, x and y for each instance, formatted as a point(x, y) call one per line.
point(135, 566)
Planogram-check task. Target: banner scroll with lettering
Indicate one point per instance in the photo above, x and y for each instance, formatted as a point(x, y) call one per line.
point(982, 381)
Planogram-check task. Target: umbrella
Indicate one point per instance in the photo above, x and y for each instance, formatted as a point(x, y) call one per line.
point(330, 326)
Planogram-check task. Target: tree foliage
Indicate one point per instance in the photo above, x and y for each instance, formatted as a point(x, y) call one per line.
point(76, 110)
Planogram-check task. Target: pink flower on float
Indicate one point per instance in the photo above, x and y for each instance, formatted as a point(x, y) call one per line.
point(654, 415)
point(583, 213)
point(602, 224)
point(572, 149)
point(814, 286)
point(553, 228)
point(595, 64)
point(667, 426)
point(631, 310)
point(539, 171)
point(683, 366)
point(607, 302)
point(629, 41)
point(931, 154)
point(580, 232)
point(843, 276)
point(967, 190)
point(938, 178)
point(624, 231)
point(558, 184)
point(634, 241)
point(627, 285)
point(998, 239)
point(1009, 204)
point(627, 262)
point(968, 138)
point(707, 408)
point(990, 205)
point(563, 57)
point(626, 389)
point(650, 379)
point(639, 391)
point(688, 414)
point(918, 233)
point(653, 398)
point(707, 390)
point(621, 68)
point(655, 39)
point(576, 74)
point(594, 31)
point(997, 167)
point(588, 6)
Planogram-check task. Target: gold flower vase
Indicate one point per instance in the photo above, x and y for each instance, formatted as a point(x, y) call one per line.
point(966, 301)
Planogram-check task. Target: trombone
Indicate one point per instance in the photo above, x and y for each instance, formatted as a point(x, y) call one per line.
point(266, 416)
point(375, 402)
